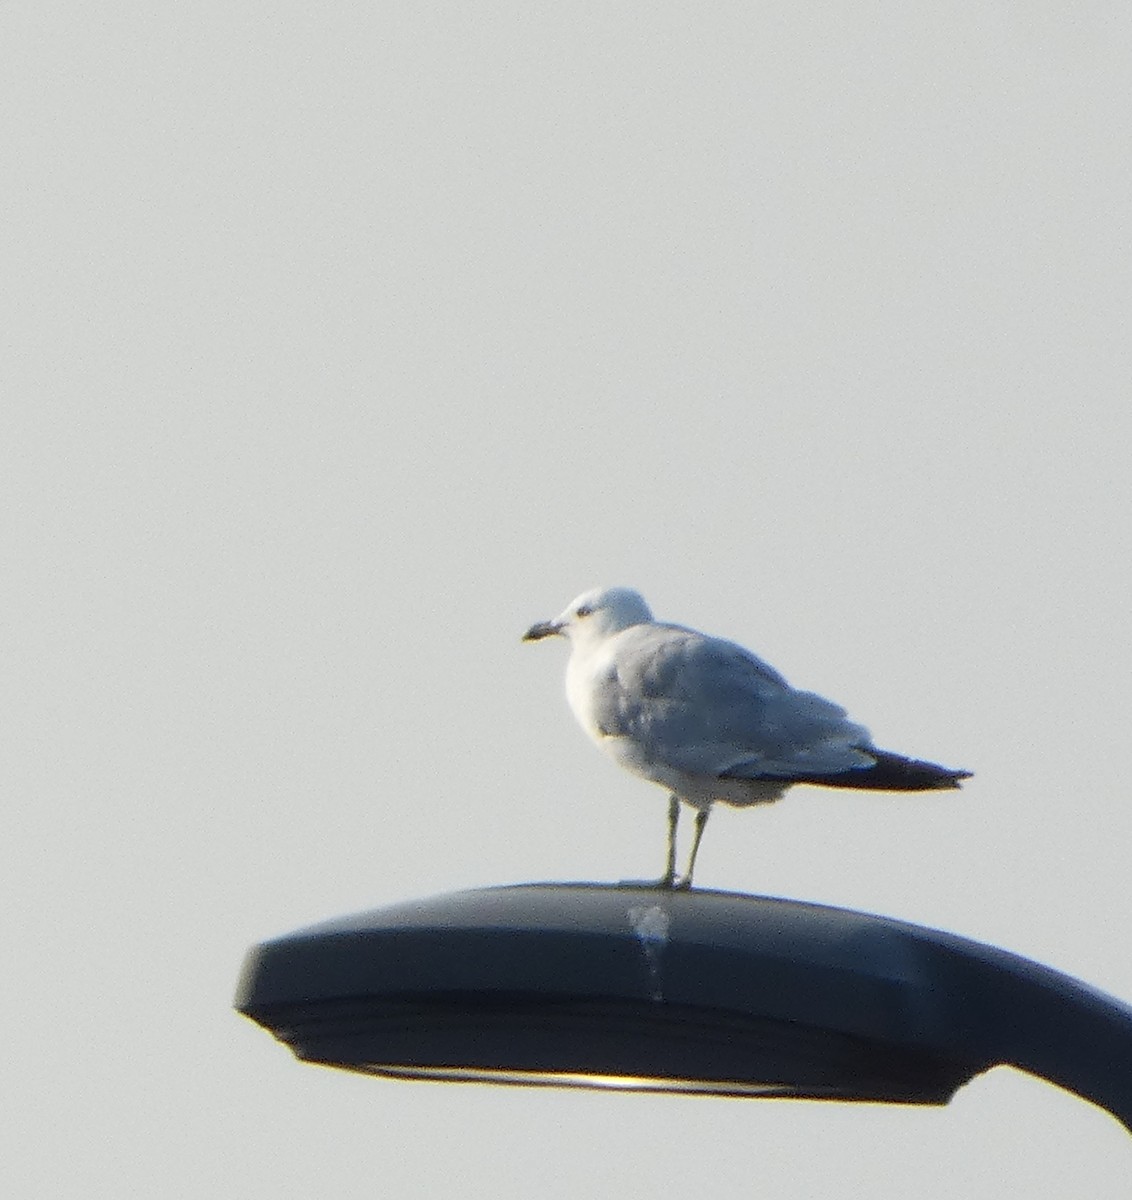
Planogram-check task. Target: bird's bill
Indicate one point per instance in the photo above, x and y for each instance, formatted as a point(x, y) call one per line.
point(542, 629)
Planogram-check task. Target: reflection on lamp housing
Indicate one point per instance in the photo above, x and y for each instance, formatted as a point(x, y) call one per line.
point(616, 1083)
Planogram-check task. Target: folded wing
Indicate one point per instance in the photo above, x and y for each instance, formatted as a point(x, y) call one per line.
point(709, 707)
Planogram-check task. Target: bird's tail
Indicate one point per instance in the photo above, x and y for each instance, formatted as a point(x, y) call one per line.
point(891, 773)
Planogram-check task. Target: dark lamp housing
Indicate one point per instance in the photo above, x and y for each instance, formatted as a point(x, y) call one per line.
point(642, 988)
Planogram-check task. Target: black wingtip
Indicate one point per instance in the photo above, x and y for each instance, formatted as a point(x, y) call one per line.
point(892, 773)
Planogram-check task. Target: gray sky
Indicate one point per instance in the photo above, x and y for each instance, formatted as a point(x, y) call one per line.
point(341, 344)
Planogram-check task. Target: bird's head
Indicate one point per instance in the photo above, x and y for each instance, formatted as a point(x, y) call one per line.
point(594, 615)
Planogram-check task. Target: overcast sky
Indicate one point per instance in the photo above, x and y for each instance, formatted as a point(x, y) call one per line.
point(343, 342)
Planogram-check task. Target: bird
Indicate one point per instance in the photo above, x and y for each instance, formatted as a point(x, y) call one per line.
point(708, 720)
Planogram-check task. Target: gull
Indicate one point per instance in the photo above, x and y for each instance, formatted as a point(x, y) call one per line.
point(707, 719)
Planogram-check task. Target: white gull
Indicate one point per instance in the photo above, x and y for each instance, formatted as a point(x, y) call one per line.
point(708, 720)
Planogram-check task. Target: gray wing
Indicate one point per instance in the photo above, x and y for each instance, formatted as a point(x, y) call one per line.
point(707, 706)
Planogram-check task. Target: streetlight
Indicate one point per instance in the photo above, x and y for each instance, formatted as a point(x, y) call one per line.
point(643, 988)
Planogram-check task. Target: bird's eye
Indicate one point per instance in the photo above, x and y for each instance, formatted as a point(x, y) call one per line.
point(583, 610)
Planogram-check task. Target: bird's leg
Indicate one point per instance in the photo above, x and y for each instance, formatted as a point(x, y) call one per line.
point(668, 879)
point(701, 822)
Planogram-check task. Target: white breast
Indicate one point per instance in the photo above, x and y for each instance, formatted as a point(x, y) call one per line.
point(587, 667)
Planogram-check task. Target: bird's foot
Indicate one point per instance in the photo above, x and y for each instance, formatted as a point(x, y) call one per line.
point(670, 882)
